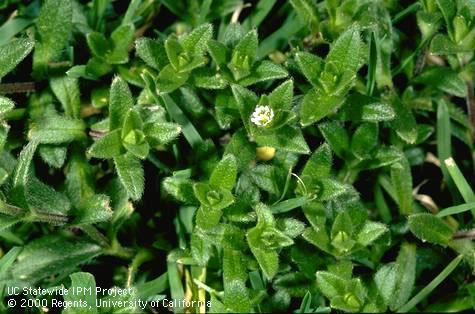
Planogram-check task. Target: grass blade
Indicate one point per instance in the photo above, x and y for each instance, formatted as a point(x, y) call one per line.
point(189, 131)
point(431, 286)
point(462, 185)
point(175, 283)
point(289, 204)
point(456, 209)
point(273, 42)
point(373, 59)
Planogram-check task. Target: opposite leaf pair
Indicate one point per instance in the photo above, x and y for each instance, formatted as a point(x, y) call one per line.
point(131, 132)
point(279, 130)
point(236, 62)
point(183, 55)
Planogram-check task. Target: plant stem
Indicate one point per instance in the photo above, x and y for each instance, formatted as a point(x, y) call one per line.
point(141, 257)
point(115, 249)
point(13, 88)
point(465, 234)
point(55, 219)
point(96, 235)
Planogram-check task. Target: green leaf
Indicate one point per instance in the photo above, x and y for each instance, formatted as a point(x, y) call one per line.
point(208, 217)
point(385, 156)
point(266, 178)
point(430, 228)
point(12, 53)
point(316, 105)
point(152, 52)
point(386, 279)
point(93, 210)
point(100, 97)
point(319, 164)
point(225, 173)
point(401, 179)
point(243, 56)
point(53, 155)
point(80, 178)
point(180, 187)
point(44, 199)
point(55, 129)
point(52, 254)
point(81, 285)
point(350, 40)
point(360, 107)
point(336, 136)
point(310, 65)
point(330, 285)
point(264, 71)
point(371, 231)
point(95, 68)
point(405, 275)
point(132, 122)
point(98, 44)
point(175, 53)
point(161, 133)
point(405, 123)
point(442, 45)
point(445, 79)
point(287, 138)
point(247, 46)
point(107, 146)
point(218, 51)
point(7, 260)
point(7, 221)
point(246, 101)
point(289, 226)
point(264, 253)
point(307, 11)
point(120, 102)
point(54, 27)
point(20, 176)
point(14, 26)
point(201, 249)
point(448, 9)
point(195, 43)
point(236, 296)
point(6, 105)
point(341, 233)
point(215, 198)
point(66, 89)
point(282, 96)
point(169, 80)
point(328, 189)
point(121, 38)
point(131, 174)
point(364, 140)
point(240, 146)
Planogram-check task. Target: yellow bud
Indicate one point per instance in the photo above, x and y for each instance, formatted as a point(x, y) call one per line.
point(265, 153)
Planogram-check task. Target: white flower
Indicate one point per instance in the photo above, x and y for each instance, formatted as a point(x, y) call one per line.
point(262, 115)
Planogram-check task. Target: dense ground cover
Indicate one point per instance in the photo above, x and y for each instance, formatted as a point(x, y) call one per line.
point(237, 156)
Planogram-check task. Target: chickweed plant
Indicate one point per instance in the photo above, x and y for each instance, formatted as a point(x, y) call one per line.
point(225, 156)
